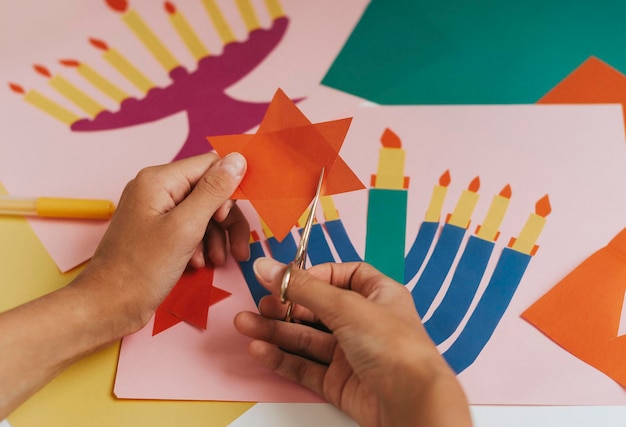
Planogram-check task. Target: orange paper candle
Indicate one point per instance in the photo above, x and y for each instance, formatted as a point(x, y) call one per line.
point(134, 21)
point(71, 92)
point(96, 79)
point(390, 172)
point(186, 32)
point(45, 104)
point(488, 230)
point(527, 238)
point(466, 204)
point(433, 212)
point(123, 66)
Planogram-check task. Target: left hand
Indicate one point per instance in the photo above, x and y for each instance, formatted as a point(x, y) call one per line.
point(168, 217)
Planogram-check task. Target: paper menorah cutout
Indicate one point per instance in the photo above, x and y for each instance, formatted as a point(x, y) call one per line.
point(385, 249)
point(200, 93)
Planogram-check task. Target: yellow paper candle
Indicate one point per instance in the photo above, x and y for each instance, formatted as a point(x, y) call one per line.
point(488, 230)
point(527, 238)
point(390, 172)
point(123, 66)
point(96, 79)
point(433, 213)
point(274, 8)
point(186, 32)
point(465, 206)
point(71, 92)
point(45, 104)
point(220, 24)
point(329, 209)
point(247, 13)
point(266, 230)
point(136, 23)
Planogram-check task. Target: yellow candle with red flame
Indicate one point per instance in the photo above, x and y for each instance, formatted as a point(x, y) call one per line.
point(465, 206)
point(186, 32)
point(247, 13)
point(488, 230)
point(71, 92)
point(45, 104)
point(527, 238)
point(96, 79)
point(220, 24)
point(123, 65)
point(138, 26)
point(390, 172)
point(433, 213)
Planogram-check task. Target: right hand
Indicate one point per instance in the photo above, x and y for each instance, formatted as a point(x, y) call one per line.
point(377, 363)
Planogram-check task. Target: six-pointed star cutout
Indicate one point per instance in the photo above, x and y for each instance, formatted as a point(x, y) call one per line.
point(189, 301)
point(285, 158)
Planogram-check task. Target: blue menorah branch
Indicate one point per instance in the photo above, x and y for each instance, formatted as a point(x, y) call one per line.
point(455, 305)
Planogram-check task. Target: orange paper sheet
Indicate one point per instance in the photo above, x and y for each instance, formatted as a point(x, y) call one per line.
point(593, 82)
point(582, 312)
point(285, 158)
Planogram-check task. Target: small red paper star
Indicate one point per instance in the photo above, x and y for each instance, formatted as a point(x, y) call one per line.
point(285, 158)
point(189, 301)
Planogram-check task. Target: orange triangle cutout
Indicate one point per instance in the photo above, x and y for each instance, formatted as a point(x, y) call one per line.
point(582, 312)
point(593, 82)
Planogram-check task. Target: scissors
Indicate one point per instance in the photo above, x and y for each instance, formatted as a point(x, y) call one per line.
point(300, 257)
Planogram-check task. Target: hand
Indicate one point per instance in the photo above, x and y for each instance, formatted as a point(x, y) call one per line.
point(168, 216)
point(377, 363)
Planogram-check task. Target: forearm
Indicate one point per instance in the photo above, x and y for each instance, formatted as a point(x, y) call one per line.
point(43, 337)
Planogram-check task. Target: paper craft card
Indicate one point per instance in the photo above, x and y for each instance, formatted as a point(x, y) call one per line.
point(449, 52)
point(501, 186)
point(96, 91)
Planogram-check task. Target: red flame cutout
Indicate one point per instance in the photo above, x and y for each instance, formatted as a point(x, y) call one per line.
point(42, 70)
point(390, 140)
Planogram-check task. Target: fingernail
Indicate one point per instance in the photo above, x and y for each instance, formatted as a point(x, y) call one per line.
point(234, 164)
point(267, 269)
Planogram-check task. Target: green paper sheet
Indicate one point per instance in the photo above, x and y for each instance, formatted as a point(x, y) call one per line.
point(486, 52)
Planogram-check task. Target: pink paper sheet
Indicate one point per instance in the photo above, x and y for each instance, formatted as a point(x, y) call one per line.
point(576, 154)
point(42, 156)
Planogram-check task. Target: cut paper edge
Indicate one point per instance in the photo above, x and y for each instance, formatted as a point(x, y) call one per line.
point(582, 312)
point(621, 330)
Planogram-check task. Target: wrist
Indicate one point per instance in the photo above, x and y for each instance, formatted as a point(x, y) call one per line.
point(108, 304)
point(423, 390)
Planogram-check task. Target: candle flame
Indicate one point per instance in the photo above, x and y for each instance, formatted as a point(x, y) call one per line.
point(474, 185)
point(118, 5)
point(506, 191)
point(542, 207)
point(42, 70)
point(99, 44)
point(69, 62)
point(16, 88)
point(390, 140)
point(169, 7)
point(444, 179)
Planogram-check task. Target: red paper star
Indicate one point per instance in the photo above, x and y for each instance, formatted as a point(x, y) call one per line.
point(285, 158)
point(189, 301)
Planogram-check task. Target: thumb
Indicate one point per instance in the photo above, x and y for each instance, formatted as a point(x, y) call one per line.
point(213, 189)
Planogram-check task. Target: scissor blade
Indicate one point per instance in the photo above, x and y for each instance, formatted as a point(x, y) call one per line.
point(306, 231)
